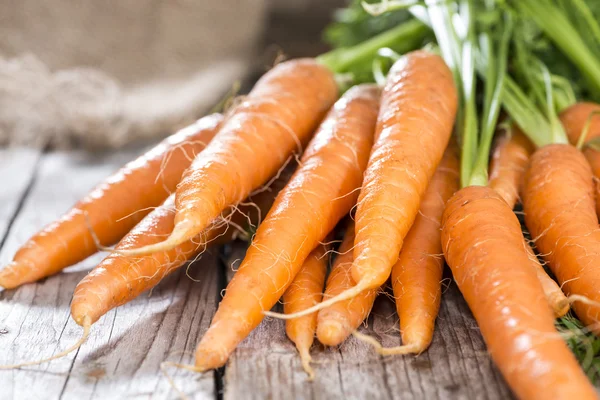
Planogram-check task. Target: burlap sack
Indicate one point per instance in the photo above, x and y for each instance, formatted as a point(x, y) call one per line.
point(105, 73)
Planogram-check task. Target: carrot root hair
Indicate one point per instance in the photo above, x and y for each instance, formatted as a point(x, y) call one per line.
point(345, 295)
point(163, 368)
point(182, 232)
point(87, 325)
point(387, 351)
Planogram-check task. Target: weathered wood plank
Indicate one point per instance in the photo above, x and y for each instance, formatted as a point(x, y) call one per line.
point(456, 366)
point(124, 352)
point(17, 172)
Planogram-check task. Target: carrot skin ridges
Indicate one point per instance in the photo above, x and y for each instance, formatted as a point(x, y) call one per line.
point(418, 106)
point(574, 120)
point(417, 275)
point(273, 121)
point(321, 192)
point(483, 246)
point(305, 291)
point(507, 169)
point(336, 322)
point(118, 279)
point(558, 200)
point(509, 161)
point(112, 208)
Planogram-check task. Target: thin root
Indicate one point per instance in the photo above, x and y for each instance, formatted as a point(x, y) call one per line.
point(306, 359)
point(181, 233)
point(583, 299)
point(163, 369)
point(386, 351)
point(345, 295)
point(87, 324)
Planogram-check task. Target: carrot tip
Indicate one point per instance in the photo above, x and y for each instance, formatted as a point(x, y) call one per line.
point(345, 295)
point(331, 332)
point(87, 324)
point(306, 359)
point(387, 351)
point(182, 232)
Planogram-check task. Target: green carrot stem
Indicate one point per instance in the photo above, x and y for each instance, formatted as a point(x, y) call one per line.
point(401, 39)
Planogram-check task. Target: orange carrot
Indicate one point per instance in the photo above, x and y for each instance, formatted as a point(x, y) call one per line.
point(574, 120)
point(305, 291)
point(507, 168)
point(418, 106)
point(112, 208)
point(558, 200)
point(417, 275)
point(321, 192)
point(509, 161)
point(119, 279)
point(274, 120)
point(338, 321)
point(483, 246)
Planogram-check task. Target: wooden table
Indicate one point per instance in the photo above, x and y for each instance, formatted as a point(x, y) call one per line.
point(123, 354)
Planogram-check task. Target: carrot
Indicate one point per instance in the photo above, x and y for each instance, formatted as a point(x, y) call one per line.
point(305, 291)
point(321, 192)
point(418, 107)
point(582, 117)
point(483, 246)
point(112, 208)
point(336, 322)
point(507, 168)
point(417, 275)
point(558, 199)
point(118, 279)
point(276, 118)
point(509, 161)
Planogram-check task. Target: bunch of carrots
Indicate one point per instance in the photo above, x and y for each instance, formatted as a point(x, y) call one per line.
point(464, 118)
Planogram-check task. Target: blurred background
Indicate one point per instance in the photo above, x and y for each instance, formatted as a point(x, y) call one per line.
point(103, 74)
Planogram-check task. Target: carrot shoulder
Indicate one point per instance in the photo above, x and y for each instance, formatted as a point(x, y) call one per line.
point(112, 208)
point(558, 200)
point(507, 169)
point(480, 237)
point(336, 322)
point(321, 192)
point(574, 120)
point(275, 119)
point(305, 291)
